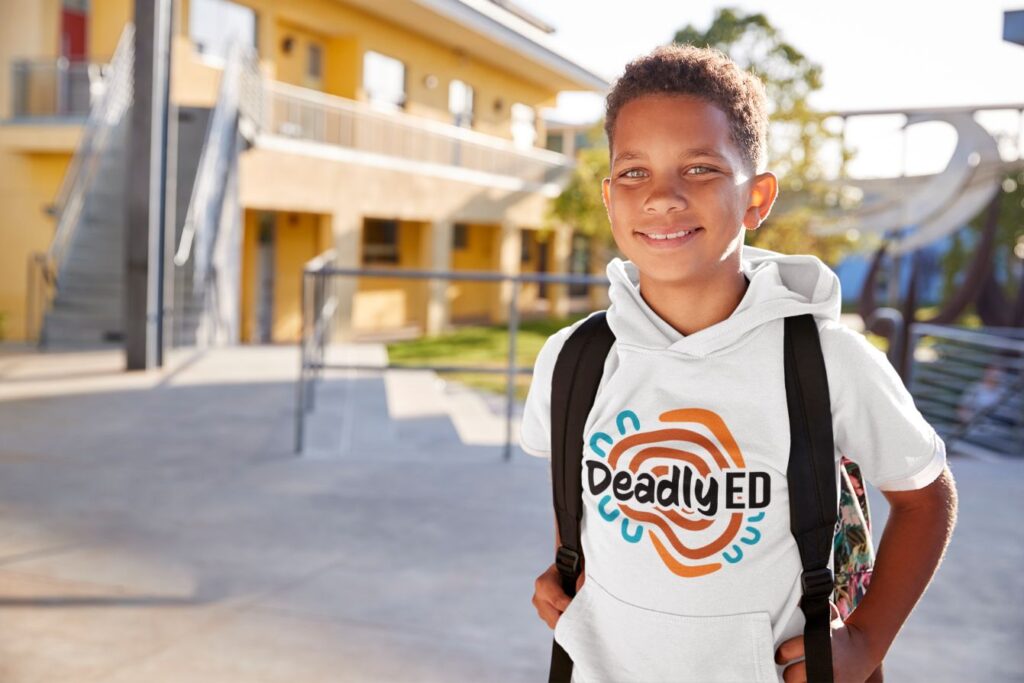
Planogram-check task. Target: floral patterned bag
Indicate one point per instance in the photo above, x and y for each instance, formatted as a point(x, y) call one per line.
point(854, 552)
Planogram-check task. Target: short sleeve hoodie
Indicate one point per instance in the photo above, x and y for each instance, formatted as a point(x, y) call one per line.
point(691, 570)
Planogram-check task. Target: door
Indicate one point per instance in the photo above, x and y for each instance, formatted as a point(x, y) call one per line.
point(265, 279)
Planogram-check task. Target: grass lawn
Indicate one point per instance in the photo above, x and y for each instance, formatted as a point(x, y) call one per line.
point(485, 345)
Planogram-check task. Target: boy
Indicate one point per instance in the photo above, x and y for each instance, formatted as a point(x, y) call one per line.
point(689, 575)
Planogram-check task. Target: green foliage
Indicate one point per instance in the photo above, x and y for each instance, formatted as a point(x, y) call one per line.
point(798, 134)
point(954, 262)
point(1009, 233)
point(755, 45)
point(580, 202)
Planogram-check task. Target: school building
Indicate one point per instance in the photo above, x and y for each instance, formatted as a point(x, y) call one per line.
point(394, 133)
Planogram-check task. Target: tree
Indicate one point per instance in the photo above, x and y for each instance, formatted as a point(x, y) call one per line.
point(797, 131)
point(797, 136)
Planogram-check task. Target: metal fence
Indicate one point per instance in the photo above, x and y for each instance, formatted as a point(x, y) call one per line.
point(969, 384)
point(48, 88)
point(306, 114)
point(320, 302)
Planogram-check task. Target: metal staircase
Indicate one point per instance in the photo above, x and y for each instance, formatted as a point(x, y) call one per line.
point(208, 240)
point(85, 263)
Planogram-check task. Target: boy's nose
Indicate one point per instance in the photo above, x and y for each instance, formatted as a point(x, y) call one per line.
point(665, 197)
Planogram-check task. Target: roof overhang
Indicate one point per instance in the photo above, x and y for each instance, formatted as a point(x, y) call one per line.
point(492, 34)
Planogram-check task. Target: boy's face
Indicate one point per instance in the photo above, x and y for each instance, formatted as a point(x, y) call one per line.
point(676, 168)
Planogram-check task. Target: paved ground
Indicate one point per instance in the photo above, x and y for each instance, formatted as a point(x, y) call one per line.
point(157, 527)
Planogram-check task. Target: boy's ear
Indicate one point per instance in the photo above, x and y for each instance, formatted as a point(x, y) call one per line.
point(606, 197)
point(763, 191)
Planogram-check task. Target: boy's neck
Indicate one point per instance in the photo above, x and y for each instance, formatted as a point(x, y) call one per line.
point(690, 308)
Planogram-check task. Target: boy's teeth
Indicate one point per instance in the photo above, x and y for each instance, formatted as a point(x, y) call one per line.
point(670, 235)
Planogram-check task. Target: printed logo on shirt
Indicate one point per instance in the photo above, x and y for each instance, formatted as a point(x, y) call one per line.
point(682, 485)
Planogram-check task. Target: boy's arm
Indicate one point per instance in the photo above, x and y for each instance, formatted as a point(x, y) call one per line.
point(914, 540)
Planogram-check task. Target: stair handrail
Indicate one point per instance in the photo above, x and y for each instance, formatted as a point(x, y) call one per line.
point(105, 114)
point(237, 108)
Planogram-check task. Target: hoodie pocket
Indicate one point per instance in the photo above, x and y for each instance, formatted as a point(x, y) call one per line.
point(616, 642)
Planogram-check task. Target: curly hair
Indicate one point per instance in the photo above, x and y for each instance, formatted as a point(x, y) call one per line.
point(705, 73)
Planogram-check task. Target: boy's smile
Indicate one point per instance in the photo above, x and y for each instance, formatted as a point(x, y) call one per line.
point(680, 192)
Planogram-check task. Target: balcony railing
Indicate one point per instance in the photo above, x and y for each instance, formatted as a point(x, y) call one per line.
point(54, 88)
point(313, 116)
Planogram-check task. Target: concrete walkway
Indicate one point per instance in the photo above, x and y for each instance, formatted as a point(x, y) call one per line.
point(157, 527)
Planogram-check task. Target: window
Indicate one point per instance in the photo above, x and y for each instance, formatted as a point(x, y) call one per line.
point(524, 246)
point(74, 29)
point(384, 80)
point(524, 125)
point(213, 25)
point(460, 236)
point(579, 263)
point(460, 103)
point(556, 141)
point(380, 241)
point(315, 62)
point(582, 140)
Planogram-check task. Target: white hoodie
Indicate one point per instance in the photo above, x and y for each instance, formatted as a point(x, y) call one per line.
point(692, 573)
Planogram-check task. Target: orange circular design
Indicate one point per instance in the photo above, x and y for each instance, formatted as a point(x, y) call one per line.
point(663, 524)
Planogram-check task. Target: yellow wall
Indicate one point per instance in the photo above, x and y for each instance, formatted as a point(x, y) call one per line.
point(27, 30)
point(194, 83)
point(298, 237)
point(33, 158)
point(347, 33)
point(291, 65)
point(30, 182)
point(343, 69)
point(297, 240)
point(474, 300)
point(106, 21)
point(382, 303)
point(529, 292)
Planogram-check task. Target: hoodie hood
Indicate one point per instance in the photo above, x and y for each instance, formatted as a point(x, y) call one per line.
point(780, 286)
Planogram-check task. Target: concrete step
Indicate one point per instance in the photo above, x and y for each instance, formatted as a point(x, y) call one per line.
point(85, 273)
point(88, 308)
point(89, 291)
point(373, 414)
point(62, 330)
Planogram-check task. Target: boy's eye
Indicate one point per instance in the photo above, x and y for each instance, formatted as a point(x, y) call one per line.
point(640, 173)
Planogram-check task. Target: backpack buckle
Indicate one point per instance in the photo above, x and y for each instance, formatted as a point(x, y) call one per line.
point(817, 583)
point(567, 561)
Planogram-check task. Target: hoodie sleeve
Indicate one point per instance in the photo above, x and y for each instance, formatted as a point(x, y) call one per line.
point(875, 421)
point(535, 432)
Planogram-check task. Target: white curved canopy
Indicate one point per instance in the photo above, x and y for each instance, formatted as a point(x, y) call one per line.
point(934, 206)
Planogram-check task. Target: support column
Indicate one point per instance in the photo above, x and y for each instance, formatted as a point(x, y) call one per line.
point(145, 245)
point(439, 258)
point(510, 245)
point(347, 229)
point(600, 255)
point(561, 253)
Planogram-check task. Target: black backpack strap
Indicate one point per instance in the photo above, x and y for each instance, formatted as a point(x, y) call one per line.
point(574, 383)
point(811, 476)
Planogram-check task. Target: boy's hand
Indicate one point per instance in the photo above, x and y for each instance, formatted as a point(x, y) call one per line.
point(851, 659)
point(548, 596)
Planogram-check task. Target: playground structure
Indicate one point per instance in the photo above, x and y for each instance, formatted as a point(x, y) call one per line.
point(910, 213)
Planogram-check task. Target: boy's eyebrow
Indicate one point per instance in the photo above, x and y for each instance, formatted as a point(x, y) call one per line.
point(630, 155)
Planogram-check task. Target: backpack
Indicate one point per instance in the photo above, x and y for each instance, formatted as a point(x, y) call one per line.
point(819, 522)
